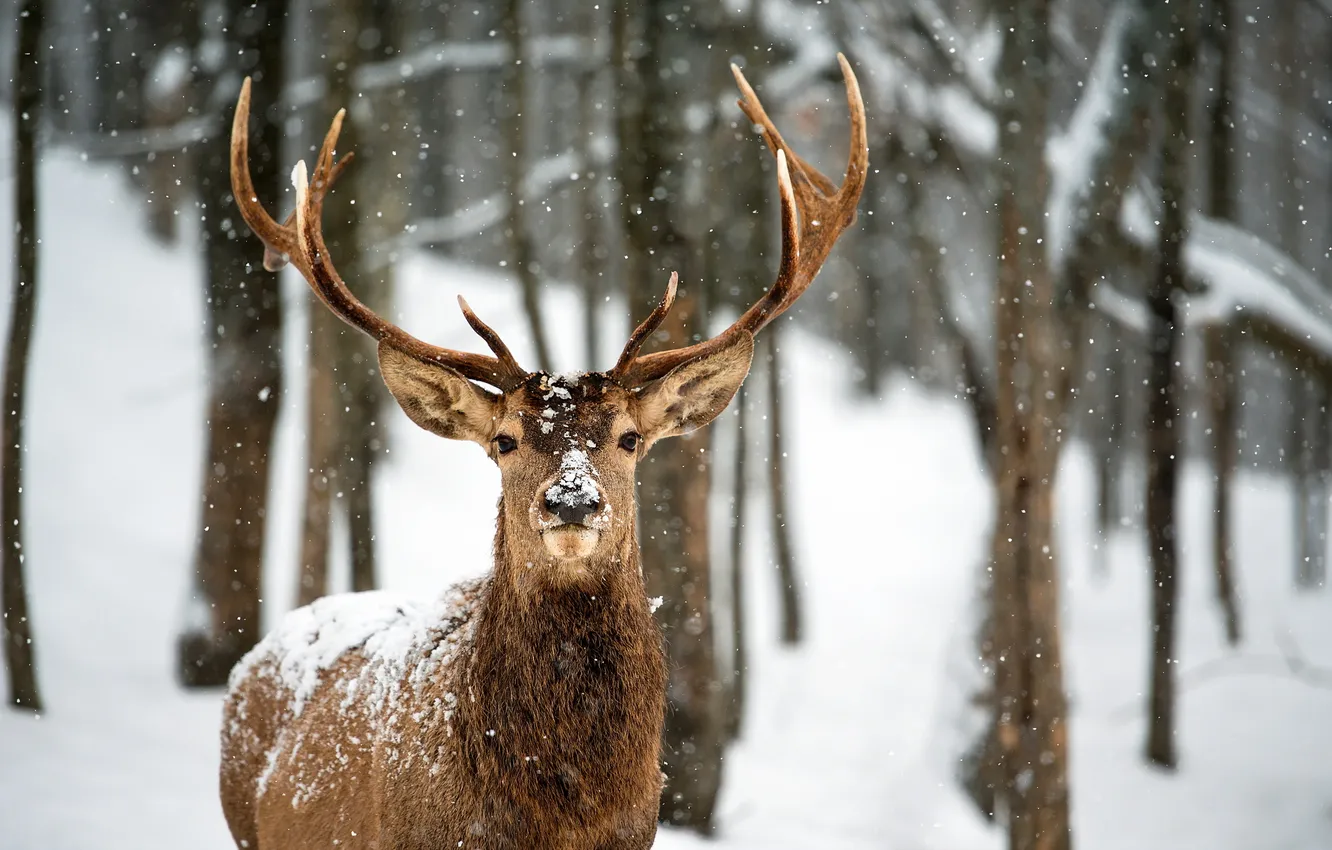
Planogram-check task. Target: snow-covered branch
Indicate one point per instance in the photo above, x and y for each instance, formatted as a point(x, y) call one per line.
point(545, 176)
point(547, 51)
point(152, 140)
point(1077, 155)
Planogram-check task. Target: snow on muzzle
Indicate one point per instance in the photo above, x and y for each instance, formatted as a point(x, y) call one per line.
point(573, 497)
point(571, 510)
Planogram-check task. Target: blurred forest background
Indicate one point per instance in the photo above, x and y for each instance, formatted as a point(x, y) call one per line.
point(1095, 221)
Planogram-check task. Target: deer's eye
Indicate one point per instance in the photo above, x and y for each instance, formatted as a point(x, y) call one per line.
point(505, 444)
point(629, 442)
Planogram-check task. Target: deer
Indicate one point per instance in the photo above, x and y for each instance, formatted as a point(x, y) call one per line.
point(523, 709)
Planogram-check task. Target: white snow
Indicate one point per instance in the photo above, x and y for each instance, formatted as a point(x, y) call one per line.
point(577, 483)
point(394, 634)
point(1240, 273)
point(1072, 153)
point(846, 738)
point(1244, 273)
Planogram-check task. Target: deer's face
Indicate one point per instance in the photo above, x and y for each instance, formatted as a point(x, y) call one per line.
point(567, 446)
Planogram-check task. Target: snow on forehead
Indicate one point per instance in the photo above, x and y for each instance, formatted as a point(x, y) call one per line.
point(560, 387)
point(569, 401)
point(556, 396)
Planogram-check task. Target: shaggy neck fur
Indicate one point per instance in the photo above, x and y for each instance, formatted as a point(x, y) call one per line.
point(566, 685)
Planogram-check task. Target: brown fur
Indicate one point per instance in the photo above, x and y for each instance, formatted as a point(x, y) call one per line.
point(524, 713)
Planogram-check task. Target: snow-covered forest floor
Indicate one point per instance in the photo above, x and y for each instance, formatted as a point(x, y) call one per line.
point(848, 739)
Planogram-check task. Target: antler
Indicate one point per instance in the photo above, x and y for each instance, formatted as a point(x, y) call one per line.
point(300, 240)
point(814, 214)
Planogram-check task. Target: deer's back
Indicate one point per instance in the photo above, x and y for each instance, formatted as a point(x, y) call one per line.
point(328, 709)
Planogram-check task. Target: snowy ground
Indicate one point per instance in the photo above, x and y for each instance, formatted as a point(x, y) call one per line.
point(848, 739)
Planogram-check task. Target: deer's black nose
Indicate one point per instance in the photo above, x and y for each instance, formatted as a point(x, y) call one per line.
point(572, 505)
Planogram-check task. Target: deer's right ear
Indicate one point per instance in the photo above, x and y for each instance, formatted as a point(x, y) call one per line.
point(439, 399)
point(693, 394)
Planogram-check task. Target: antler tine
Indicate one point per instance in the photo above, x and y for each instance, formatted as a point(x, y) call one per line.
point(278, 240)
point(301, 241)
point(487, 333)
point(646, 329)
point(814, 213)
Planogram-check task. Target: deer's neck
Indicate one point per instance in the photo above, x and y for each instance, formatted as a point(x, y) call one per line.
point(566, 683)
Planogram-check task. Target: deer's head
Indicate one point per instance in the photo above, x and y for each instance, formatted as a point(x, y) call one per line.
point(567, 446)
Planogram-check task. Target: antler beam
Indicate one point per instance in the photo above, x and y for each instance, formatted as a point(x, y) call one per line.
point(300, 240)
point(814, 214)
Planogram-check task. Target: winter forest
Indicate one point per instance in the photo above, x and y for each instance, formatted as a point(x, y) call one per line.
point(1014, 536)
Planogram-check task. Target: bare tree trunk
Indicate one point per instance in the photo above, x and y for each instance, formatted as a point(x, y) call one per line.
point(1110, 460)
point(739, 659)
point(1219, 346)
point(1290, 234)
point(520, 237)
point(1163, 437)
point(345, 393)
point(20, 656)
point(1321, 490)
point(321, 471)
point(652, 40)
point(1223, 200)
point(1311, 478)
point(1031, 713)
point(381, 193)
point(245, 372)
point(593, 253)
point(781, 534)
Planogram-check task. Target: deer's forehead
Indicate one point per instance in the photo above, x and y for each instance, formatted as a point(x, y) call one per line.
point(578, 410)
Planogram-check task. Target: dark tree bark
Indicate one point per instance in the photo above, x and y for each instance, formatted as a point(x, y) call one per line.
point(524, 254)
point(321, 439)
point(787, 579)
point(1163, 430)
point(1311, 474)
point(20, 656)
point(1110, 453)
point(344, 392)
point(739, 657)
point(1289, 200)
point(593, 254)
point(361, 391)
point(245, 370)
point(653, 40)
point(1031, 713)
point(1220, 343)
point(738, 254)
point(1222, 200)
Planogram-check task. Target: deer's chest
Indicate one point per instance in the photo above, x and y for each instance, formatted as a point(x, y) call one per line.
point(567, 724)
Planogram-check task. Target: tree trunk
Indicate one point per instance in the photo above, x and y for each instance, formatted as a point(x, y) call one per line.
point(739, 660)
point(245, 365)
point(524, 255)
point(321, 439)
point(19, 652)
point(1031, 707)
point(345, 393)
point(1220, 347)
point(653, 39)
point(781, 533)
point(1110, 460)
point(1223, 199)
point(1163, 437)
point(1311, 479)
point(592, 253)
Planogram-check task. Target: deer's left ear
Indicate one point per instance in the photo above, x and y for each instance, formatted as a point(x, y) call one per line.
point(693, 394)
point(439, 399)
